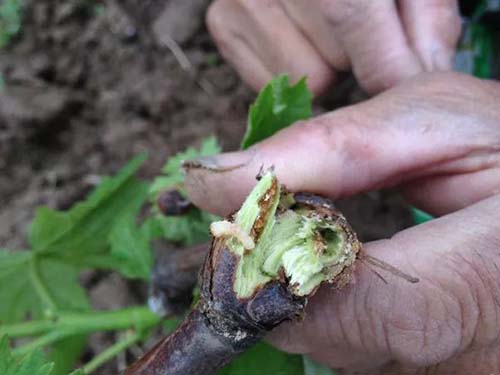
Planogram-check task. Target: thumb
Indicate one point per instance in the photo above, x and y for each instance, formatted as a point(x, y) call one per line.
point(454, 309)
point(419, 130)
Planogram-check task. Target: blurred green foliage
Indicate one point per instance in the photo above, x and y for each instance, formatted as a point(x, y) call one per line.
point(10, 20)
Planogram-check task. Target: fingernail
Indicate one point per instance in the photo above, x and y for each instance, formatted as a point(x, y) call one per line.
point(213, 183)
point(219, 163)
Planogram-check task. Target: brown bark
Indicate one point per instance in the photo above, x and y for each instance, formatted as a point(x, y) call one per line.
point(223, 325)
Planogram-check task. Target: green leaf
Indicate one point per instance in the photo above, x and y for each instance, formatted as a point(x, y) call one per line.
point(23, 277)
point(313, 368)
point(419, 216)
point(30, 364)
point(278, 105)
point(80, 236)
point(130, 248)
point(10, 20)
point(47, 227)
point(264, 359)
point(66, 352)
point(172, 175)
point(188, 229)
point(15, 298)
point(78, 372)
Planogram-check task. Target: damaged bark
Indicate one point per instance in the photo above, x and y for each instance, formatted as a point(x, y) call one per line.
point(264, 262)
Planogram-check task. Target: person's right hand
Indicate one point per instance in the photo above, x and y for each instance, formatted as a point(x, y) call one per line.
point(437, 137)
point(382, 41)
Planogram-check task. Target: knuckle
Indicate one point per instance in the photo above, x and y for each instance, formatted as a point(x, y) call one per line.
point(339, 12)
point(319, 78)
point(478, 290)
point(342, 131)
point(448, 315)
point(453, 310)
point(428, 331)
point(385, 71)
point(317, 132)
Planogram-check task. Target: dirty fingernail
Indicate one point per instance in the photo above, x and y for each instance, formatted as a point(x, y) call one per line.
point(219, 163)
point(216, 183)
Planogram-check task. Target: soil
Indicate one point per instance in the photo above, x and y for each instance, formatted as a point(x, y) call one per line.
point(89, 84)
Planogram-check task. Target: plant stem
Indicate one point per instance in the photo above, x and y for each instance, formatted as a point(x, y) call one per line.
point(195, 348)
point(30, 328)
point(139, 318)
point(40, 288)
point(239, 303)
point(40, 342)
point(111, 352)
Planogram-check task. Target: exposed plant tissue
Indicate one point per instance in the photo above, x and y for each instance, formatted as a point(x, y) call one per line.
point(264, 263)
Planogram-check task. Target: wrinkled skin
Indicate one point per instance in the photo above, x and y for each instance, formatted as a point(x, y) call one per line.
point(382, 42)
point(436, 137)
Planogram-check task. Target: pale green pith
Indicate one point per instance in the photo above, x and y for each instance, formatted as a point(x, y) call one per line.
point(304, 246)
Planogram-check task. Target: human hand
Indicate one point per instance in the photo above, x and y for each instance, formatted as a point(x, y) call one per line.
point(382, 41)
point(437, 137)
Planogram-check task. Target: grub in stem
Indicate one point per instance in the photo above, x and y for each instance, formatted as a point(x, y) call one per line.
point(264, 262)
point(269, 237)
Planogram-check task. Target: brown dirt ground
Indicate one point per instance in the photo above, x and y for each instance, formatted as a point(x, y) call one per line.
point(89, 84)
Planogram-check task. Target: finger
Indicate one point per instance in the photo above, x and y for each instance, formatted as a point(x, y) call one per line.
point(433, 28)
point(454, 307)
point(394, 138)
point(373, 37)
point(309, 17)
point(236, 50)
point(265, 29)
point(427, 193)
